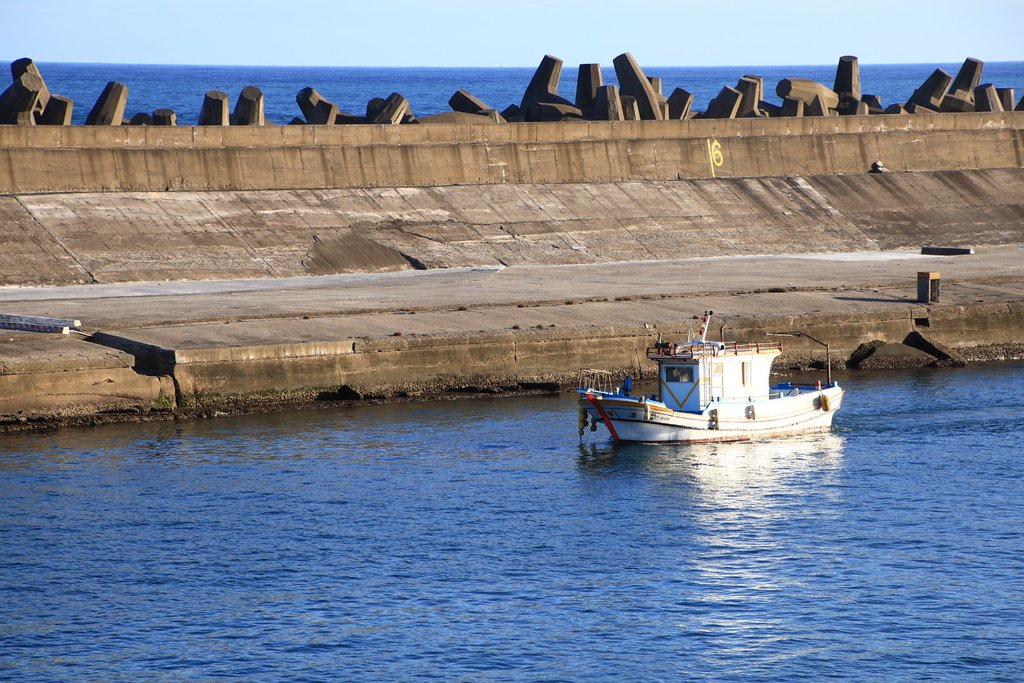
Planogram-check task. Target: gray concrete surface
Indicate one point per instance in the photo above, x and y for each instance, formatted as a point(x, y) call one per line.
point(138, 236)
point(376, 304)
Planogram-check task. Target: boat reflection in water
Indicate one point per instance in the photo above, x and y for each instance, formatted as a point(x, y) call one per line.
point(733, 488)
point(721, 467)
point(747, 524)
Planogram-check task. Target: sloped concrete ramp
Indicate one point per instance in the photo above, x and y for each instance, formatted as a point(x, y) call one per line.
point(142, 236)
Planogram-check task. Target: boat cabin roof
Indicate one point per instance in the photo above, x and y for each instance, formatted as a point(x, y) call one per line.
point(698, 350)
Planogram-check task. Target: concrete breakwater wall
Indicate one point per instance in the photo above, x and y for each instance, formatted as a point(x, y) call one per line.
point(157, 159)
point(135, 236)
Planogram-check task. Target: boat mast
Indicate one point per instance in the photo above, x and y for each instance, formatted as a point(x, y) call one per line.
point(705, 361)
point(705, 325)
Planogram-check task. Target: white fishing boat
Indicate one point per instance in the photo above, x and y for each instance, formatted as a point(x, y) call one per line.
point(708, 391)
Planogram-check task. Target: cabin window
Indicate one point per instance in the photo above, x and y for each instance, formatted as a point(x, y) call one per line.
point(679, 373)
point(745, 374)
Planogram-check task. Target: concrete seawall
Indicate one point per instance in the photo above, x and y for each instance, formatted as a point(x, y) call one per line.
point(122, 237)
point(156, 159)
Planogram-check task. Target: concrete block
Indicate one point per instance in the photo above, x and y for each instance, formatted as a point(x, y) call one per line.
point(141, 118)
point(792, 106)
point(587, 83)
point(109, 107)
point(1020, 105)
point(344, 118)
point(929, 95)
point(296, 121)
point(374, 107)
point(874, 103)
point(215, 109)
point(315, 109)
point(960, 97)
point(847, 85)
point(750, 89)
point(967, 78)
point(955, 104)
point(58, 111)
point(806, 90)
point(630, 110)
point(543, 87)
point(987, 99)
point(165, 117)
point(726, 105)
point(1006, 98)
point(862, 109)
point(769, 108)
point(249, 108)
point(633, 83)
point(493, 116)
point(390, 111)
point(816, 107)
point(19, 103)
point(461, 118)
point(551, 111)
point(513, 114)
point(27, 66)
point(463, 101)
point(608, 104)
point(657, 84)
point(679, 103)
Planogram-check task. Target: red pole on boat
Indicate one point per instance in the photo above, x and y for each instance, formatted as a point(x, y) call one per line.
point(604, 416)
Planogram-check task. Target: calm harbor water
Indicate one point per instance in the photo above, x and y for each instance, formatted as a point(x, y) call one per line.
point(479, 540)
point(182, 88)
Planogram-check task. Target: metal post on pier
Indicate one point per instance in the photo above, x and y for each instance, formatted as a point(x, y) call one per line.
point(927, 287)
point(828, 351)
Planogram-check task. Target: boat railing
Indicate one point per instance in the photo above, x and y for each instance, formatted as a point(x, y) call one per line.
point(597, 380)
point(710, 349)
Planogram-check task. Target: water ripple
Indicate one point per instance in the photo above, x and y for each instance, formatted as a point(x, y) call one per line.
point(460, 542)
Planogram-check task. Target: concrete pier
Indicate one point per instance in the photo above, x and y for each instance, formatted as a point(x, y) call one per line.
point(220, 347)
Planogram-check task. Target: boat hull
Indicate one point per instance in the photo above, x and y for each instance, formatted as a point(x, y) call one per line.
point(636, 420)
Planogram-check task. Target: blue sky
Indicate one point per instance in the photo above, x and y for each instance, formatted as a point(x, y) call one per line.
point(511, 33)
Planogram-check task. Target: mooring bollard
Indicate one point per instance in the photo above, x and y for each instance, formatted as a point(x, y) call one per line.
point(927, 287)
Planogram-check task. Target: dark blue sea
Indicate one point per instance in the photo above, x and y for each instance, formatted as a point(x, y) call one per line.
point(480, 540)
point(181, 88)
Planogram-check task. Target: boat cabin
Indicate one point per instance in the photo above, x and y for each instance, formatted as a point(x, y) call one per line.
point(695, 374)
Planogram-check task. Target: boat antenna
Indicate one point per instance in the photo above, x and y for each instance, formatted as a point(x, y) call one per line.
point(828, 351)
point(705, 324)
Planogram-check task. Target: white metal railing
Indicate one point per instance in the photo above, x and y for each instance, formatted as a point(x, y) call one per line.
point(710, 349)
point(597, 380)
